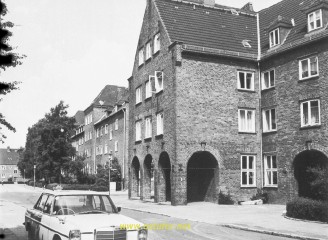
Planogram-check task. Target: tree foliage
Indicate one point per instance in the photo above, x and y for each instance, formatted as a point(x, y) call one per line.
point(7, 59)
point(102, 173)
point(48, 145)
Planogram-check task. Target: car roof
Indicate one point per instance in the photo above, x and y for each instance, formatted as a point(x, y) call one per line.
point(74, 192)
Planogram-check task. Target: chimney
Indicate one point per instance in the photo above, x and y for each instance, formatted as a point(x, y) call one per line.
point(248, 7)
point(8, 149)
point(210, 3)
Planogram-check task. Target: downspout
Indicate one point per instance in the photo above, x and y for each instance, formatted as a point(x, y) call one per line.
point(260, 87)
point(124, 137)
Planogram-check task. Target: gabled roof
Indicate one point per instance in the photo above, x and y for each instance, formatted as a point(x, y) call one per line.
point(9, 156)
point(216, 27)
point(288, 9)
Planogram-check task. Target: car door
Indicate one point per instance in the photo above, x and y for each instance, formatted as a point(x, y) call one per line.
point(46, 217)
point(36, 216)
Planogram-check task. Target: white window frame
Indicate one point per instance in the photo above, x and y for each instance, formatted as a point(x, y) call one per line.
point(116, 124)
point(271, 82)
point(148, 87)
point(274, 37)
point(148, 50)
point(138, 95)
point(159, 81)
point(157, 43)
point(317, 15)
point(141, 56)
point(245, 73)
point(249, 127)
point(116, 146)
point(3, 167)
point(102, 130)
point(138, 131)
point(148, 127)
point(309, 114)
point(106, 149)
point(269, 171)
point(110, 132)
point(106, 129)
point(97, 132)
point(160, 123)
point(248, 171)
point(268, 125)
point(308, 65)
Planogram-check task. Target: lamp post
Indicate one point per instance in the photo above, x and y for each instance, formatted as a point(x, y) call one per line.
point(109, 167)
point(24, 176)
point(34, 175)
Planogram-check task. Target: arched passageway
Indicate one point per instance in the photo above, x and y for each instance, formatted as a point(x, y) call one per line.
point(164, 178)
point(303, 164)
point(135, 177)
point(148, 178)
point(202, 177)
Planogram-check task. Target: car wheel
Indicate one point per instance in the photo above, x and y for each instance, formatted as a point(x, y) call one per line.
point(56, 238)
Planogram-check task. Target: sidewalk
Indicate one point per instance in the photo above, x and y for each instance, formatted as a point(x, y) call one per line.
point(260, 218)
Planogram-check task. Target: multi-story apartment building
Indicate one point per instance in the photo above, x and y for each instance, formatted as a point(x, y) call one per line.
point(225, 99)
point(8, 165)
point(112, 137)
point(84, 138)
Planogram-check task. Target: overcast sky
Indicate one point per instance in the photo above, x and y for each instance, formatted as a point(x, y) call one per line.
point(74, 48)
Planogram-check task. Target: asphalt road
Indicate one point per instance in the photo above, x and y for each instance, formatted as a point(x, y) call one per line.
point(14, 201)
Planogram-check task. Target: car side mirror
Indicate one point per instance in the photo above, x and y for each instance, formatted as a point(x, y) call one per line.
point(119, 209)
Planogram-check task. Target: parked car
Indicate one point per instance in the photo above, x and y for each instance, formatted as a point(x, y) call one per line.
point(80, 215)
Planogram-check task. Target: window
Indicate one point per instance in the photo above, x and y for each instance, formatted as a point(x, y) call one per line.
point(110, 132)
point(159, 81)
point(106, 129)
point(101, 149)
point(274, 37)
point(148, 129)
point(160, 123)
point(268, 79)
point(97, 132)
point(269, 120)
point(157, 43)
point(248, 171)
point(40, 205)
point(141, 56)
point(106, 149)
point(3, 167)
point(102, 131)
point(308, 67)
point(116, 146)
point(270, 171)
point(138, 131)
point(148, 51)
point(15, 171)
point(315, 20)
point(3, 175)
point(116, 124)
point(90, 135)
point(47, 207)
point(138, 95)
point(246, 120)
point(246, 80)
point(310, 113)
point(148, 87)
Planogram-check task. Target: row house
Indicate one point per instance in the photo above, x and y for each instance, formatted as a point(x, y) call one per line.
point(9, 159)
point(227, 100)
point(84, 138)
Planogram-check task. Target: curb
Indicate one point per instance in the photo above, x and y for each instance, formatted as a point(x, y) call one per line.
point(279, 234)
point(303, 220)
point(271, 232)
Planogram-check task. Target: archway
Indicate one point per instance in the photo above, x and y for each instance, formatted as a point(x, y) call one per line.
point(148, 178)
point(135, 177)
point(303, 163)
point(164, 178)
point(202, 177)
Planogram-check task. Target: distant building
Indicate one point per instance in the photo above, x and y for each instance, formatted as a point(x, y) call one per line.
point(8, 165)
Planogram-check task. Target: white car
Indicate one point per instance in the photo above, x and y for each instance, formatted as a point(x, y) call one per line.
point(80, 215)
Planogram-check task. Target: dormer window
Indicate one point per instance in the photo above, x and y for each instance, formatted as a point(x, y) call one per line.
point(274, 37)
point(315, 20)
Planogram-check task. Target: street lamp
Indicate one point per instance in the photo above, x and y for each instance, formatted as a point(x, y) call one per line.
point(24, 176)
point(34, 175)
point(109, 167)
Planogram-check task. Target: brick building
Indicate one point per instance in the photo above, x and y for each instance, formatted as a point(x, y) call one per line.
point(216, 96)
point(8, 165)
point(84, 138)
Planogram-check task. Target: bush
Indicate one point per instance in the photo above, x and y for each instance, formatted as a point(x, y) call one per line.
point(304, 208)
point(8, 182)
point(99, 188)
point(51, 186)
point(225, 199)
point(261, 195)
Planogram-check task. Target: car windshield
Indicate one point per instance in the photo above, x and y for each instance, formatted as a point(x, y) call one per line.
point(82, 204)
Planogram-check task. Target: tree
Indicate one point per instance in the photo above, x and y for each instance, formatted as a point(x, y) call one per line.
point(48, 145)
point(102, 173)
point(7, 59)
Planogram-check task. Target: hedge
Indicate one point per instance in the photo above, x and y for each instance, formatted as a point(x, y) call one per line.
point(304, 208)
point(51, 186)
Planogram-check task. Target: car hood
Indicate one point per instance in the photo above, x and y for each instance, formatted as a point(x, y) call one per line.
point(89, 222)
